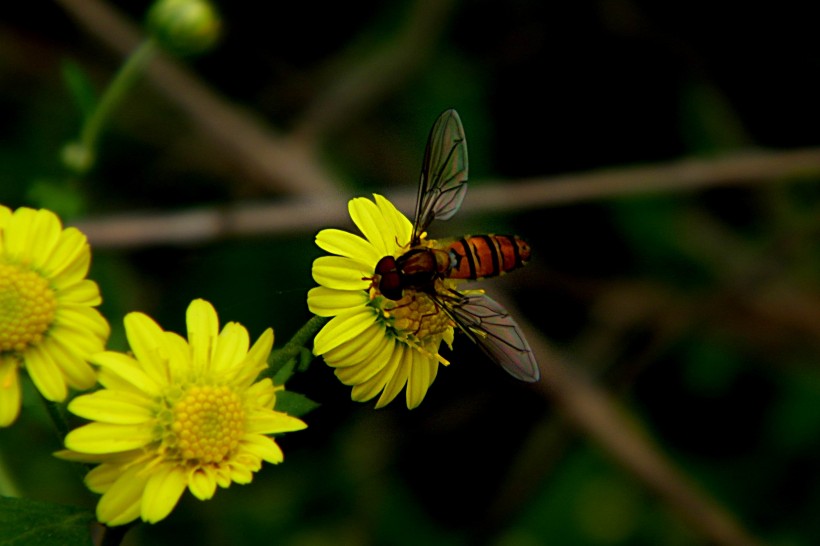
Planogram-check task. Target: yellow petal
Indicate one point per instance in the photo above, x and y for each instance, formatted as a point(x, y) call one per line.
point(147, 342)
point(9, 390)
point(70, 260)
point(162, 492)
point(44, 235)
point(263, 447)
point(77, 457)
point(115, 407)
point(69, 266)
point(231, 347)
point(395, 384)
point(272, 422)
point(202, 483)
point(261, 394)
point(86, 327)
point(370, 388)
point(203, 328)
point(17, 236)
point(260, 351)
point(76, 371)
point(341, 273)
point(398, 222)
point(84, 292)
point(348, 245)
point(342, 328)
point(357, 348)
point(241, 474)
point(371, 222)
point(45, 374)
point(422, 372)
point(121, 503)
point(179, 356)
point(327, 302)
point(223, 476)
point(122, 372)
point(375, 360)
point(101, 477)
point(108, 438)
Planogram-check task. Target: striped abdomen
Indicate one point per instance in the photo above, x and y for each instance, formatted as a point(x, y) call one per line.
point(477, 256)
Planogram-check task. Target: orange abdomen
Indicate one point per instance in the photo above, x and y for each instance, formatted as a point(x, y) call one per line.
point(477, 256)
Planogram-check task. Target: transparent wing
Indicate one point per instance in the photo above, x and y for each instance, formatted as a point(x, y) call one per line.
point(492, 328)
point(443, 180)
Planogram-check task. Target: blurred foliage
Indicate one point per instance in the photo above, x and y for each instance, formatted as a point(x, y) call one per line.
point(68, 525)
point(699, 309)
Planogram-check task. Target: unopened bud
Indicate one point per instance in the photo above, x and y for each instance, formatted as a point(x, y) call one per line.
point(184, 27)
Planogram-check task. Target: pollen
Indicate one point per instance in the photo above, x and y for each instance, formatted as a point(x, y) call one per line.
point(416, 317)
point(28, 306)
point(207, 425)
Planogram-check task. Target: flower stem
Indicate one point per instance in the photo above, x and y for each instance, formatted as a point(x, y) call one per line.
point(58, 415)
point(299, 340)
point(8, 488)
point(80, 155)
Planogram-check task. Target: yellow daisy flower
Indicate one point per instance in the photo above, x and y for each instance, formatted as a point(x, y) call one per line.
point(48, 323)
point(177, 414)
point(376, 345)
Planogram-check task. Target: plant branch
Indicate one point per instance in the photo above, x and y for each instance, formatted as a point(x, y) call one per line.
point(598, 416)
point(308, 215)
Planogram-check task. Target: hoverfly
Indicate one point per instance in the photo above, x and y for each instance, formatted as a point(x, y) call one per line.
point(442, 188)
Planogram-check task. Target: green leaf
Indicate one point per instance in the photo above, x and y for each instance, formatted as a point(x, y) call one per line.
point(294, 403)
point(305, 359)
point(80, 88)
point(57, 196)
point(282, 370)
point(26, 522)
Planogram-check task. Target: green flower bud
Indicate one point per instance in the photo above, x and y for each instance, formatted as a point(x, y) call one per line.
point(184, 27)
point(77, 157)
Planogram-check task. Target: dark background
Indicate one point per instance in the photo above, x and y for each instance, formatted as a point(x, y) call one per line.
point(697, 309)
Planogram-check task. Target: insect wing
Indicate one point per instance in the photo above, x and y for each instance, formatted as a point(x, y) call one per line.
point(493, 329)
point(443, 180)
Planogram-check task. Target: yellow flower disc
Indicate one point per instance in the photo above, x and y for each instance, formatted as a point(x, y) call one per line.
point(414, 318)
point(208, 423)
point(27, 307)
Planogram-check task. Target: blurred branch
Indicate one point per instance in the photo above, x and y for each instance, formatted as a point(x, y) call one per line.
point(739, 168)
point(377, 75)
point(306, 216)
point(599, 417)
point(268, 158)
point(607, 424)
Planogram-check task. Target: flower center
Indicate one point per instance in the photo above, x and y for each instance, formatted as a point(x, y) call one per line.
point(415, 317)
point(27, 307)
point(208, 423)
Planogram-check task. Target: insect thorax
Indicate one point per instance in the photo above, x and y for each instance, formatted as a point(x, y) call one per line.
point(419, 267)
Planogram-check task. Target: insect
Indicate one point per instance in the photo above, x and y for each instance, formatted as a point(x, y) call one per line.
point(442, 188)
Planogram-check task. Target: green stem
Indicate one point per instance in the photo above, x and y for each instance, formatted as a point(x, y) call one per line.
point(59, 417)
point(297, 342)
point(8, 488)
point(81, 155)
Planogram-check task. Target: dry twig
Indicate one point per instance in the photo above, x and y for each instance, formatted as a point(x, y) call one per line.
point(306, 216)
